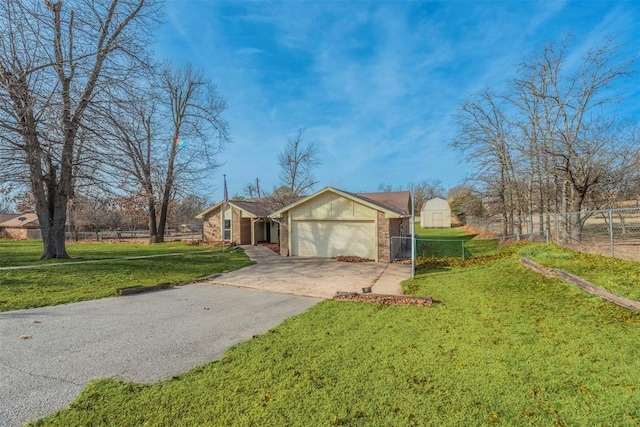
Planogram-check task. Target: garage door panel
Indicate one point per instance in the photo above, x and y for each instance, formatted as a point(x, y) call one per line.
point(333, 238)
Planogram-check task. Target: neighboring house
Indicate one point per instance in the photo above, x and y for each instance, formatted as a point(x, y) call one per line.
point(20, 226)
point(247, 222)
point(332, 222)
point(435, 213)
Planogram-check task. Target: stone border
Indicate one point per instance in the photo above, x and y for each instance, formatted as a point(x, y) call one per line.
point(582, 284)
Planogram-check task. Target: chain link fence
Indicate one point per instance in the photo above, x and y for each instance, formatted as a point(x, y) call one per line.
point(608, 232)
point(441, 248)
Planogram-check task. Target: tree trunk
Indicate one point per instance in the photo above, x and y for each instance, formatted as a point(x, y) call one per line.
point(153, 227)
point(52, 226)
point(164, 208)
point(576, 220)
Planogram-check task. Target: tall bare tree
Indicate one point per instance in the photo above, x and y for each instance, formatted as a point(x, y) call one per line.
point(580, 132)
point(164, 140)
point(426, 190)
point(554, 142)
point(484, 136)
point(297, 162)
point(57, 62)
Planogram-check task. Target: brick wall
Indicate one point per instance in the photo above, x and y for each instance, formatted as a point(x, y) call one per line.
point(284, 234)
point(383, 238)
point(211, 226)
point(16, 233)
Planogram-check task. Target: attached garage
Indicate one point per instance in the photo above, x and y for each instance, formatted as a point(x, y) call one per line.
point(332, 223)
point(328, 239)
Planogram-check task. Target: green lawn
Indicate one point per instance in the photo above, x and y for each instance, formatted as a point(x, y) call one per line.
point(616, 275)
point(501, 345)
point(60, 284)
point(27, 252)
point(451, 243)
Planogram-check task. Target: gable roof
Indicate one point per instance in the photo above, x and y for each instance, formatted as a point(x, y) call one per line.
point(7, 217)
point(27, 220)
point(393, 202)
point(256, 208)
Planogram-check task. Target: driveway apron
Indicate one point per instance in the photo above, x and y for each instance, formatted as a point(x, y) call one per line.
point(314, 277)
point(47, 355)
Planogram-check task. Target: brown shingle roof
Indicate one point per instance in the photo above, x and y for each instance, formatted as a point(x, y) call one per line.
point(265, 206)
point(28, 220)
point(258, 207)
point(7, 217)
point(395, 201)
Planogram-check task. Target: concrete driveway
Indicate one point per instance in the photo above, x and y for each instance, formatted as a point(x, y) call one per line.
point(314, 277)
point(142, 338)
point(153, 336)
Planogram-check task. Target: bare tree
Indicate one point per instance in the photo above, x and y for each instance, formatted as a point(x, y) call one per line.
point(554, 142)
point(425, 190)
point(484, 135)
point(5, 195)
point(297, 162)
point(465, 203)
point(56, 64)
point(580, 136)
point(253, 190)
point(165, 140)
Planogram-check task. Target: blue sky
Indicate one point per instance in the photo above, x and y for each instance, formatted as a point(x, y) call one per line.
point(375, 84)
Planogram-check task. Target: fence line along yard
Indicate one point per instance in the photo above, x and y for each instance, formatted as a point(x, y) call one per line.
point(462, 248)
point(132, 235)
point(609, 232)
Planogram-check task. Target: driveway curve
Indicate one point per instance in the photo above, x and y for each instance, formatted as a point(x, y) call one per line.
point(47, 355)
point(313, 277)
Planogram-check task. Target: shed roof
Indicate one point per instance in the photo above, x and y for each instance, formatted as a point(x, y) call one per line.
point(435, 204)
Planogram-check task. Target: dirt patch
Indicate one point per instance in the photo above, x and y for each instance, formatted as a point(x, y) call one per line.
point(351, 258)
point(385, 299)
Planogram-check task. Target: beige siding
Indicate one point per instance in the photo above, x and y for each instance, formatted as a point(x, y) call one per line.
point(331, 206)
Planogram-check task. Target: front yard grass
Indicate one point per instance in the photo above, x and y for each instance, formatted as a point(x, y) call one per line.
point(616, 275)
point(501, 345)
point(60, 284)
point(452, 243)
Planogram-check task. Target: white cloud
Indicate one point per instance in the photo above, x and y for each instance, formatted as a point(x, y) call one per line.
point(376, 84)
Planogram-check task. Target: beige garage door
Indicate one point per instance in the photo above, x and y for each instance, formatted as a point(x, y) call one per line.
point(333, 238)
